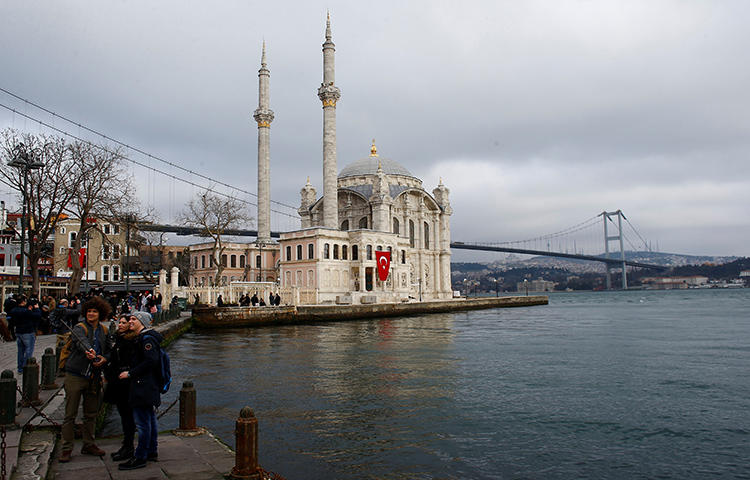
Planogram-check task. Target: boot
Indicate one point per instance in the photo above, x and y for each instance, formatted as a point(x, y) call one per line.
point(92, 449)
point(132, 464)
point(124, 453)
point(65, 456)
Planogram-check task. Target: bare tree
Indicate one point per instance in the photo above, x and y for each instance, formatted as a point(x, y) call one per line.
point(104, 190)
point(215, 214)
point(48, 189)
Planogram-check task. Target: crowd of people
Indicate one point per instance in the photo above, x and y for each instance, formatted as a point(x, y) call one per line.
point(119, 363)
point(273, 300)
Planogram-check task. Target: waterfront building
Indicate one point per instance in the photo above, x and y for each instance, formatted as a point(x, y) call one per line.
point(373, 204)
point(241, 262)
point(538, 285)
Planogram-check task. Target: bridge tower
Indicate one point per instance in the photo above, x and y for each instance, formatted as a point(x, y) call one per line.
point(607, 217)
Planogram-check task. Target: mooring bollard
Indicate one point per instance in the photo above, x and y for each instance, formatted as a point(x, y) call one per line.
point(30, 383)
point(8, 386)
point(246, 438)
point(58, 348)
point(49, 370)
point(187, 408)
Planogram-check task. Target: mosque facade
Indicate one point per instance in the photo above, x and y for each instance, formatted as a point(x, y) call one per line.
point(372, 205)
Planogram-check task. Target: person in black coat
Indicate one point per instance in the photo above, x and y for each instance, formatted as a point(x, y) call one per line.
point(144, 394)
point(122, 354)
point(24, 320)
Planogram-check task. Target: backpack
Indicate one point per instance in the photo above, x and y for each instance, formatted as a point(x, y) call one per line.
point(68, 346)
point(165, 373)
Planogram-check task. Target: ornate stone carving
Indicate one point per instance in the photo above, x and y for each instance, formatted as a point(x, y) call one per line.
point(329, 95)
point(263, 116)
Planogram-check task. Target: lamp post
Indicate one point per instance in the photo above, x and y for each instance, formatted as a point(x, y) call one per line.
point(25, 164)
point(497, 293)
point(526, 286)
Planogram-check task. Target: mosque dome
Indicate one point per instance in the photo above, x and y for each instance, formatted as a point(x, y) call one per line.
point(369, 166)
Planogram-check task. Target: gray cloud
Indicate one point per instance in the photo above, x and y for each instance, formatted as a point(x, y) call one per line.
point(536, 114)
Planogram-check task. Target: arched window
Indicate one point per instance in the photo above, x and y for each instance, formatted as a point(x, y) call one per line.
point(299, 252)
point(195, 262)
point(369, 252)
point(288, 253)
point(224, 260)
point(395, 226)
point(335, 252)
point(426, 234)
point(355, 252)
point(326, 251)
point(411, 233)
point(203, 261)
point(345, 225)
point(343, 252)
point(363, 222)
point(310, 251)
point(257, 261)
point(233, 261)
point(242, 261)
point(403, 256)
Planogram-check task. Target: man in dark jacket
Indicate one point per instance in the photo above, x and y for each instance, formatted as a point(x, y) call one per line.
point(144, 389)
point(83, 376)
point(24, 320)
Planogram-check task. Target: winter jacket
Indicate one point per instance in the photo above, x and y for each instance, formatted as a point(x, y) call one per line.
point(121, 360)
point(146, 370)
point(24, 320)
point(77, 363)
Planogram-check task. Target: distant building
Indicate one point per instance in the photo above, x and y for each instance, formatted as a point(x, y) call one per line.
point(244, 262)
point(671, 283)
point(538, 285)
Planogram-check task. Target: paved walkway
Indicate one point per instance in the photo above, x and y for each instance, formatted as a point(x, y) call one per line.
point(200, 457)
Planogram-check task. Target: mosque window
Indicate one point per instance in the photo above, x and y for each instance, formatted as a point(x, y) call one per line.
point(363, 222)
point(299, 252)
point(395, 226)
point(224, 260)
point(411, 233)
point(369, 252)
point(345, 225)
point(203, 261)
point(242, 261)
point(335, 252)
point(326, 251)
point(403, 256)
point(310, 251)
point(355, 252)
point(288, 254)
point(426, 235)
point(233, 261)
point(257, 260)
point(343, 252)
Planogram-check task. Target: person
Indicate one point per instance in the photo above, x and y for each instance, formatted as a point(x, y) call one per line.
point(277, 300)
point(197, 299)
point(254, 299)
point(158, 300)
point(122, 354)
point(24, 320)
point(219, 301)
point(261, 302)
point(83, 377)
point(144, 394)
point(175, 302)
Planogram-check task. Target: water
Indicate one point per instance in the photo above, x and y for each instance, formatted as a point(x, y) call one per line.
point(595, 385)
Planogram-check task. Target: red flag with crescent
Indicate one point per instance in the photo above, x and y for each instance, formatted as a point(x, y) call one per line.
point(384, 264)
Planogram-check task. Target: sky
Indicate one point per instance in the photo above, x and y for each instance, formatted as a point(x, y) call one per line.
point(537, 115)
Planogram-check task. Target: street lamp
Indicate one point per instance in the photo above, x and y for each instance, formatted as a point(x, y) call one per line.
point(497, 294)
point(526, 285)
point(25, 164)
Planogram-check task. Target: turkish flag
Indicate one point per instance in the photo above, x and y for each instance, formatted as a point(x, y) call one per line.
point(384, 264)
point(81, 257)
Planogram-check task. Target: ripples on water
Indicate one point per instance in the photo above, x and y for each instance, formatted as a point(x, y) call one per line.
point(595, 385)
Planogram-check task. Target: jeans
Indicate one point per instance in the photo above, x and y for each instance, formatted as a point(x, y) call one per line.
point(145, 422)
point(25, 342)
point(128, 423)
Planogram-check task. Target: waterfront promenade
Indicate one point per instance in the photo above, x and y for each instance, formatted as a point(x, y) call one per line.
point(32, 450)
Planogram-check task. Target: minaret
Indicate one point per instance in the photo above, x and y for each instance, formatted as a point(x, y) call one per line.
point(264, 116)
point(329, 95)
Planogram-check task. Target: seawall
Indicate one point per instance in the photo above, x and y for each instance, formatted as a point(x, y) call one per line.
point(228, 317)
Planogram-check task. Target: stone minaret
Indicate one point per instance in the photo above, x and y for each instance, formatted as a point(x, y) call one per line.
point(264, 116)
point(329, 95)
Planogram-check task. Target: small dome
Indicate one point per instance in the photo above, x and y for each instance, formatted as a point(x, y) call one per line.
point(369, 166)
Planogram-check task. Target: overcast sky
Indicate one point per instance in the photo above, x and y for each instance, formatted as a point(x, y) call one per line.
point(537, 115)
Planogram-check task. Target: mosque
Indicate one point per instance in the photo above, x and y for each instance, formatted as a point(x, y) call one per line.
point(372, 205)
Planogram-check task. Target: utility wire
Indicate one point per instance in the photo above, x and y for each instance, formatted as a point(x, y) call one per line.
point(136, 162)
point(135, 149)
